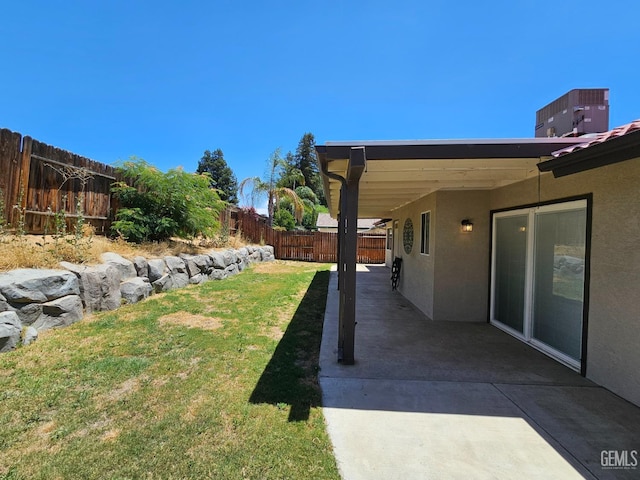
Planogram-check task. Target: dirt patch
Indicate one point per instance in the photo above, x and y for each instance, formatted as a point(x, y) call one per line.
point(194, 408)
point(282, 266)
point(111, 435)
point(275, 333)
point(191, 321)
point(96, 426)
point(127, 387)
point(46, 429)
point(159, 382)
point(39, 442)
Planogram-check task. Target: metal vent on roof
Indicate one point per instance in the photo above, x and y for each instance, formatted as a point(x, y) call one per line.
point(591, 96)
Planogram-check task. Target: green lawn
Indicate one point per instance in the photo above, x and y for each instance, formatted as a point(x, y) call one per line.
point(211, 381)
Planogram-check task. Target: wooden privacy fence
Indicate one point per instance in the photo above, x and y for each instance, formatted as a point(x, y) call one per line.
point(41, 179)
point(307, 246)
point(323, 246)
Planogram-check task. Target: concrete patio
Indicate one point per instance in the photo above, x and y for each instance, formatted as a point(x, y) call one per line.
point(434, 400)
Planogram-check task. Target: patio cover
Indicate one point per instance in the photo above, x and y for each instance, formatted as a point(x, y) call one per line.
point(373, 179)
point(400, 172)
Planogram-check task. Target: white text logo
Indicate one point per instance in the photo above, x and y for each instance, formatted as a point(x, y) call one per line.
point(619, 459)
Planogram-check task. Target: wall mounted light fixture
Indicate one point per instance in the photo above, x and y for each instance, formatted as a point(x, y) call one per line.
point(467, 226)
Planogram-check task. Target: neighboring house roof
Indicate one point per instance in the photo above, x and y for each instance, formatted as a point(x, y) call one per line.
point(397, 173)
point(325, 221)
point(617, 145)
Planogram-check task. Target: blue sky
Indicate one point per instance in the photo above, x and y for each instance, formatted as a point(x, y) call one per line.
point(166, 80)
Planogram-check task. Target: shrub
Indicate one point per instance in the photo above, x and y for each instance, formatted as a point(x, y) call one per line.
point(283, 218)
point(155, 206)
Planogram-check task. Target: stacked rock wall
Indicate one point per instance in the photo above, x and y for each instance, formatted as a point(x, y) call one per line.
point(42, 299)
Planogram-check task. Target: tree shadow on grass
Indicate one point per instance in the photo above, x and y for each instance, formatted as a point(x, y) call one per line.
point(291, 376)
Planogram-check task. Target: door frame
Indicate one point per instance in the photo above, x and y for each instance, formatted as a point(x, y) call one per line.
point(396, 244)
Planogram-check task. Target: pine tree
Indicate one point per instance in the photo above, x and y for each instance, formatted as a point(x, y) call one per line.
point(290, 174)
point(306, 162)
point(222, 177)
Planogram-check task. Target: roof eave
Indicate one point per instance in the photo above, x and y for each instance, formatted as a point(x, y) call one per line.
point(612, 151)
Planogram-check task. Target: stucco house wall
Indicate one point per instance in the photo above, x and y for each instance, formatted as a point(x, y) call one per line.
point(613, 352)
point(417, 273)
point(451, 282)
point(462, 259)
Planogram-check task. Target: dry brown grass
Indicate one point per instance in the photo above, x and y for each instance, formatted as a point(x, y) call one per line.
point(191, 320)
point(282, 266)
point(127, 387)
point(36, 251)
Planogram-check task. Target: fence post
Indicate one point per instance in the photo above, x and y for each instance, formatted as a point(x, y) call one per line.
point(25, 169)
point(25, 166)
point(10, 143)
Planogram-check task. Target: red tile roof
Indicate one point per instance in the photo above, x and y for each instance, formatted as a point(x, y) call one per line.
point(600, 138)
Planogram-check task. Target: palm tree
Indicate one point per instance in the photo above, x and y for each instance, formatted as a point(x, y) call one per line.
point(269, 186)
point(290, 175)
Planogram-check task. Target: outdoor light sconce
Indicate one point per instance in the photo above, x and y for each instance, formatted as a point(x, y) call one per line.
point(467, 226)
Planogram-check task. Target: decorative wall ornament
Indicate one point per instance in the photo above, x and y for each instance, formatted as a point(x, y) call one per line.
point(407, 235)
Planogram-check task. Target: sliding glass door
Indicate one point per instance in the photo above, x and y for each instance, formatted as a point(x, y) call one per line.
point(510, 270)
point(538, 277)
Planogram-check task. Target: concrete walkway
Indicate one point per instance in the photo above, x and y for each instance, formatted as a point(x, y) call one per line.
point(440, 400)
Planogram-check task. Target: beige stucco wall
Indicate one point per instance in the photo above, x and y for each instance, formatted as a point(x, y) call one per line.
point(451, 282)
point(613, 346)
point(462, 259)
point(417, 273)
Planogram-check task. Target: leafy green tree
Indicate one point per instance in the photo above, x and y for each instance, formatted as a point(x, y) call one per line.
point(311, 207)
point(284, 219)
point(310, 201)
point(290, 175)
point(155, 206)
point(305, 193)
point(269, 187)
point(222, 177)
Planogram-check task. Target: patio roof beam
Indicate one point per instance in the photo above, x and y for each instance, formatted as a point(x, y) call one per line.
point(449, 175)
point(449, 149)
point(439, 164)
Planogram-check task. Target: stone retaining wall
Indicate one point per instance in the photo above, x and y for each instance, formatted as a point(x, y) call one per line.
point(33, 300)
